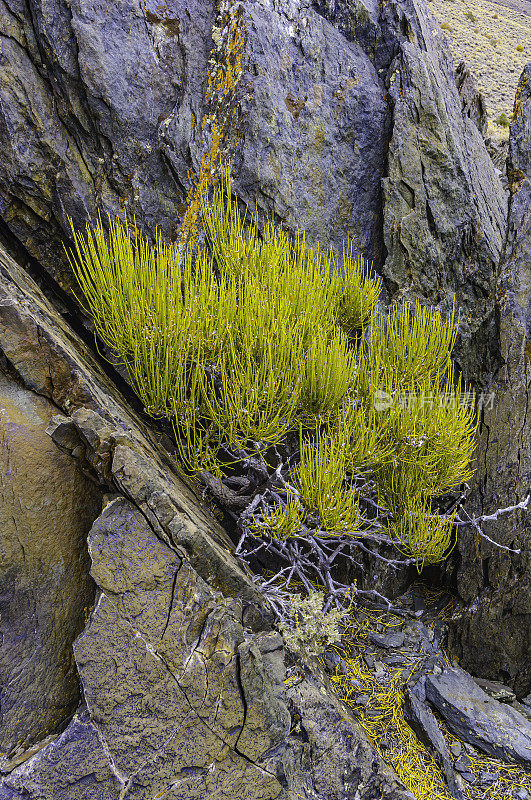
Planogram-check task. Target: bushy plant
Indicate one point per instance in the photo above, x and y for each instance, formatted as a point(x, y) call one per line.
point(268, 357)
point(503, 121)
point(307, 628)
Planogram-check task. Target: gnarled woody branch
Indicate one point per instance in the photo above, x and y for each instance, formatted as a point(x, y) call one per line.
point(309, 558)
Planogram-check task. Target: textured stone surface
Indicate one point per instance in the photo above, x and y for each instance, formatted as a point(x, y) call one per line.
point(473, 716)
point(101, 109)
point(472, 99)
point(315, 135)
point(493, 637)
point(46, 509)
point(444, 206)
point(44, 776)
point(52, 362)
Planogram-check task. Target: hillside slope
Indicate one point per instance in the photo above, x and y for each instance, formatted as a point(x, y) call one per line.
point(494, 39)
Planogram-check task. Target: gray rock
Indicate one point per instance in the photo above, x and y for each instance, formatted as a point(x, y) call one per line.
point(387, 641)
point(496, 690)
point(472, 100)
point(492, 637)
point(331, 660)
point(423, 721)
point(486, 778)
point(101, 110)
point(522, 709)
point(46, 509)
point(116, 126)
point(526, 701)
point(463, 763)
point(444, 206)
point(74, 766)
point(109, 104)
point(493, 727)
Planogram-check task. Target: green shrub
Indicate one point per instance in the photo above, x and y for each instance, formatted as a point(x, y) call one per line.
point(308, 628)
point(519, 48)
point(446, 27)
point(470, 16)
point(503, 121)
point(262, 337)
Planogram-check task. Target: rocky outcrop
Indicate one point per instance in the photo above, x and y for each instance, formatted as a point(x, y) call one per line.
point(102, 109)
point(444, 206)
point(493, 636)
point(47, 506)
point(471, 98)
point(109, 105)
point(188, 689)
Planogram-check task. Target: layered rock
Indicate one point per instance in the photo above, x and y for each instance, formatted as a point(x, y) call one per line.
point(101, 109)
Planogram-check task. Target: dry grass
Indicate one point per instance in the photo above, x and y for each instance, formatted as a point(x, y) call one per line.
point(495, 41)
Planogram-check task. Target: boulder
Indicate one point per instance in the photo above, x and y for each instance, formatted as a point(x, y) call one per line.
point(47, 506)
point(475, 717)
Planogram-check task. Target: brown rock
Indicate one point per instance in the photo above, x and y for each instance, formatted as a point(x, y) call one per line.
point(46, 508)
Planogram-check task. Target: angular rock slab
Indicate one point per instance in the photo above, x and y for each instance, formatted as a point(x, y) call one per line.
point(46, 509)
point(423, 721)
point(73, 766)
point(444, 206)
point(493, 727)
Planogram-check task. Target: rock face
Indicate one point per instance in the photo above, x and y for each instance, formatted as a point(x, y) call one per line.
point(46, 508)
point(101, 110)
point(444, 207)
point(472, 99)
point(189, 691)
point(493, 637)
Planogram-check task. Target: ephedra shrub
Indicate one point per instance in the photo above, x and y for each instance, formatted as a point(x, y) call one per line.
point(326, 426)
